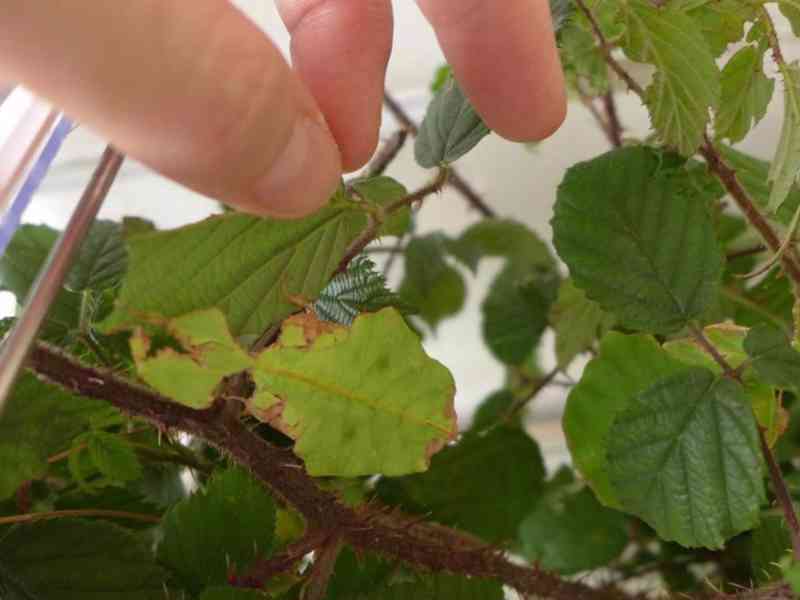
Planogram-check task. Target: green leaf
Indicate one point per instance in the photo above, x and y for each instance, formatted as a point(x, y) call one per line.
point(770, 544)
point(71, 559)
point(746, 93)
point(440, 587)
point(721, 21)
point(791, 574)
point(247, 267)
point(773, 357)
point(625, 366)
point(361, 288)
point(370, 391)
point(501, 238)
point(227, 525)
point(113, 457)
point(572, 532)
point(583, 61)
point(753, 174)
point(577, 322)
point(492, 410)
point(450, 129)
point(381, 191)
point(685, 458)
point(38, 421)
point(485, 484)
point(687, 82)
point(515, 310)
point(354, 575)
point(19, 266)
point(431, 285)
point(791, 10)
point(231, 593)
point(638, 240)
point(102, 259)
point(786, 163)
point(191, 378)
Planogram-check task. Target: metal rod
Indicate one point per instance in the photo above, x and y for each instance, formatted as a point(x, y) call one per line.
point(17, 345)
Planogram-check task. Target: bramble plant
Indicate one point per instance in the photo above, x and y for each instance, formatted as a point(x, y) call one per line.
point(242, 408)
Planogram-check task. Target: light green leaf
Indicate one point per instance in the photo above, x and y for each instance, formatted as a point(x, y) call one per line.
point(247, 267)
point(773, 357)
point(450, 129)
point(625, 365)
point(19, 266)
point(753, 174)
point(638, 239)
point(687, 81)
point(71, 559)
point(231, 593)
point(771, 543)
point(786, 163)
point(101, 261)
point(685, 458)
point(381, 191)
point(572, 532)
point(485, 484)
point(791, 10)
point(434, 288)
point(577, 322)
point(38, 421)
point(370, 391)
point(225, 526)
point(439, 587)
point(582, 59)
point(746, 93)
point(791, 574)
point(721, 21)
point(113, 457)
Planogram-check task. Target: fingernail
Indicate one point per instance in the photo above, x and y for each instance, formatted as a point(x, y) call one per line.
point(305, 175)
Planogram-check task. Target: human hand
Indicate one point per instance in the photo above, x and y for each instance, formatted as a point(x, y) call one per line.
point(196, 91)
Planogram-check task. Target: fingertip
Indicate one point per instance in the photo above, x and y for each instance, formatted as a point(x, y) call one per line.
point(551, 114)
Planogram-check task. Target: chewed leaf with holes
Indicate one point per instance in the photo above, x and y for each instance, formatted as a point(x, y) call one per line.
point(685, 458)
point(370, 391)
point(249, 268)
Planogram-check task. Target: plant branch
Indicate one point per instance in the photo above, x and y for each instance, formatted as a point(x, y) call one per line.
point(709, 347)
point(782, 495)
point(757, 249)
point(263, 570)
point(422, 545)
point(607, 49)
point(80, 513)
point(520, 403)
point(456, 181)
point(614, 125)
point(387, 154)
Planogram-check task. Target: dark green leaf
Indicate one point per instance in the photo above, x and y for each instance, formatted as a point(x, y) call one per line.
point(501, 238)
point(578, 322)
point(434, 288)
point(746, 93)
point(450, 129)
point(249, 268)
point(492, 410)
point(774, 359)
point(770, 544)
point(685, 458)
point(101, 261)
point(38, 421)
point(625, 366)
point(227, 525)
point(354, 575)
point(485, 484)
point(440, 587)
point(572, 532)
point(113, 457)
point(637, 239)
point(78, 560)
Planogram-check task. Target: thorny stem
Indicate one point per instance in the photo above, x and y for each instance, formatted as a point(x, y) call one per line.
point(81, 513)
point(265, 569)
point(456, 181)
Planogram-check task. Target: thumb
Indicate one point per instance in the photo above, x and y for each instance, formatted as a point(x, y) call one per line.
point(194, 90)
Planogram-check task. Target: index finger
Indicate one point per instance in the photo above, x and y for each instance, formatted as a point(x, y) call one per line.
point(504, 56)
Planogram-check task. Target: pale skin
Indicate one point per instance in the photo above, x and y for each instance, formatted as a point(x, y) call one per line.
point(199, 93)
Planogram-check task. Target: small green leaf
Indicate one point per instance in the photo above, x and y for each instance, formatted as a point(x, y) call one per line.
point(485, 484)
point(583, 61)
point(786, 163)
point(638, 239)
point(774, 359)
point(71, 559)
point(381, 191)
point(687, 82)
point(501, 238)
point(450, 129)
point(440, 587)
point(771, 543)
point(247, 267)
point(577, 322)
point(354, 575)
point(102, 259)
point(685, 458)
point(791, 10)
point(791, 574)
point(746, 93)
point(492, 410)
point(370, 391)
point(225, 526)
point(572, 532)
point(431, 285)
point(625, 366)
point(38, 421)
point(113, 457)
point(721, 21)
